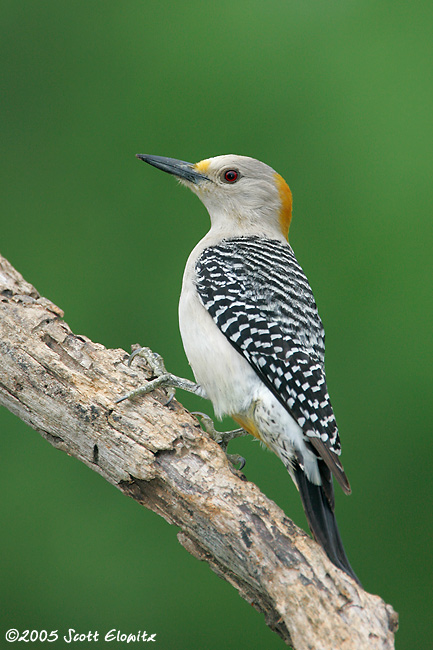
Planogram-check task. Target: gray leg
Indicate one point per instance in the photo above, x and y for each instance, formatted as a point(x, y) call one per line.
point(223, 437)
point(163, 378)
point(171, 382)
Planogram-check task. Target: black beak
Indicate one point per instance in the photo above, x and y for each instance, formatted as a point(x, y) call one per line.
point(179, 168)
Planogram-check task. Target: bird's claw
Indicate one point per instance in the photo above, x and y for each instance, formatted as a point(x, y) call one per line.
point(222, 437)
point(162, 378)
point(237, 459)
point(152, 359)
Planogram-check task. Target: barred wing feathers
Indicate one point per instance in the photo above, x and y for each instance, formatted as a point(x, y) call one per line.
point(259, 297)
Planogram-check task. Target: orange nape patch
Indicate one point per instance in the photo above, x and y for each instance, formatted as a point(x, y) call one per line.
point(286, 204)
point(202, 166)
point(247, 424)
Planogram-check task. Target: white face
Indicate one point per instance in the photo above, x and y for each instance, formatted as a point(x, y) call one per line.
point(240, 192)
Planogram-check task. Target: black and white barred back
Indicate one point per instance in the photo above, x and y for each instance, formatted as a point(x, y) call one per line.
point(259, 297)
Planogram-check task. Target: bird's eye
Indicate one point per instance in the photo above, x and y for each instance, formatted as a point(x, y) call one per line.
point(231, 176)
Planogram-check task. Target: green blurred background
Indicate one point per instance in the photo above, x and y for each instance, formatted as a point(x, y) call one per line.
point(337, 97)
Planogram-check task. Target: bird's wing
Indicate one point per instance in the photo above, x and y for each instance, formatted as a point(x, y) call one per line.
point(259, 297)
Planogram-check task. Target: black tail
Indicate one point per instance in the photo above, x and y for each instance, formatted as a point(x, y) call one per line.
point(319, 509)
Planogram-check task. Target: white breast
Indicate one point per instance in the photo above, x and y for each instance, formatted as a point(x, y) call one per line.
point(228, 379)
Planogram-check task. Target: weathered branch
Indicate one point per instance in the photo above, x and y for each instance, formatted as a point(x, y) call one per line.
point(64, 386)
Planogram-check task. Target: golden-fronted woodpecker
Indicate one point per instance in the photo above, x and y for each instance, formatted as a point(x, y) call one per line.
point(252, 333)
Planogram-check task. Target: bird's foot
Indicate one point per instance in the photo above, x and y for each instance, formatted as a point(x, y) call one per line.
point(222, 437)
point(162, 377)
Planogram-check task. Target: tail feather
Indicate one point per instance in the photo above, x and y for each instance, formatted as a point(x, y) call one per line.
point(321, 519)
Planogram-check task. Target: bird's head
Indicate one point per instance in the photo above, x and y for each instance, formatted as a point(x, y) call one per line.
point(241, 194)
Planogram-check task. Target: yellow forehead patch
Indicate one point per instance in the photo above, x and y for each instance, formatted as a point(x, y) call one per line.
point(286, 204)
point(202, 166)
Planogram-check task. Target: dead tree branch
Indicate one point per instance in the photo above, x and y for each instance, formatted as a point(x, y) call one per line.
point(64, 386)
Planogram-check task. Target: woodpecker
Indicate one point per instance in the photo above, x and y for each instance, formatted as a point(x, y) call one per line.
point(252, 333)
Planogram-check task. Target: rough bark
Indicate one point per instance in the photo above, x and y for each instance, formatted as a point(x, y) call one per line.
point(64, 386)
